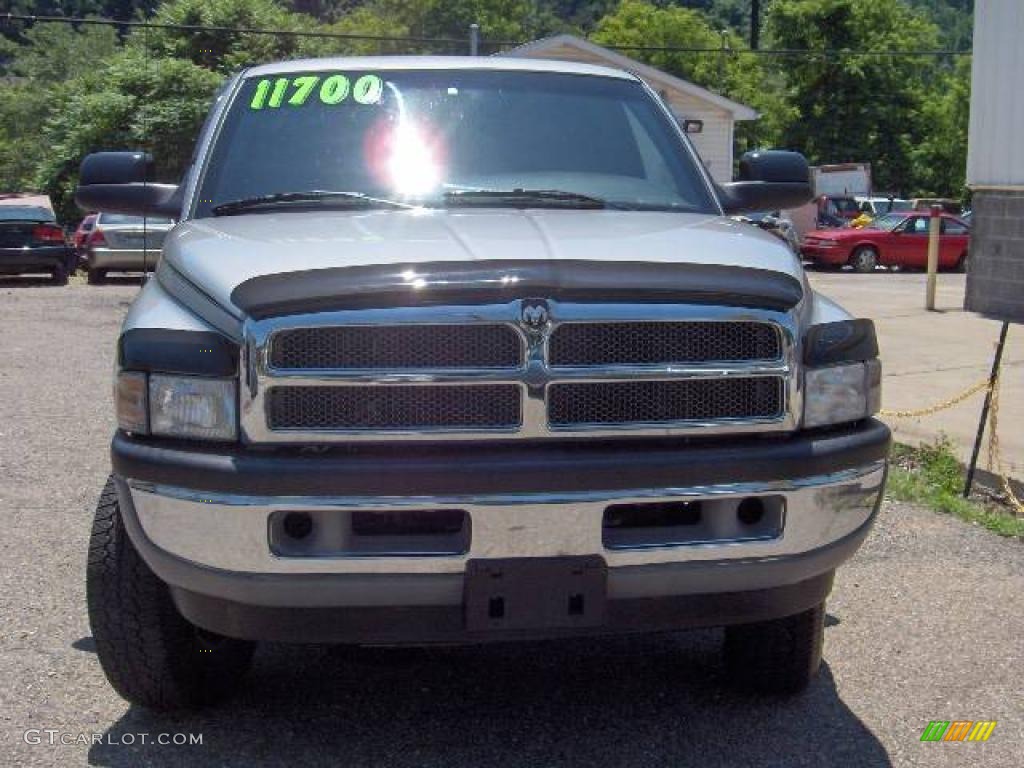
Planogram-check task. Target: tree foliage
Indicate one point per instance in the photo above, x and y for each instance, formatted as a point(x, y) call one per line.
point(727, 70)
point(851, 107)
point(66, 90)
point(39, 72)
point(134, 102)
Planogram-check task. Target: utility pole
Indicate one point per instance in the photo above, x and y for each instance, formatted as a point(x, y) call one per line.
point(755, 24)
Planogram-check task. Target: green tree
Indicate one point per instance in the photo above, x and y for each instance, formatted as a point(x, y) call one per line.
point(725, 68)
point(499, 20)
point(853, 107)
point(223, 50)
point(39, 72)
point(941, 156)
point(134, 102)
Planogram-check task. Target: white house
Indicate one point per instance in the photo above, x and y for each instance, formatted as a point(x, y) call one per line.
point(688, 101)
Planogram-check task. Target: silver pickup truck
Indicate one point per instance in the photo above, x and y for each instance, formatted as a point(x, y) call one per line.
point(450, 350)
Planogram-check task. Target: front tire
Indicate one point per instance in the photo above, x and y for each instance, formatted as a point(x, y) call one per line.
point(150, 653)
point(864, 259)
point(777, 657)
point(95, 276)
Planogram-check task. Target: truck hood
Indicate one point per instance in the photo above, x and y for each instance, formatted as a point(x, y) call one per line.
point(217, 255)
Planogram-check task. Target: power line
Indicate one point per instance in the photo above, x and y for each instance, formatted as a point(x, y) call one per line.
point(500, 44)
point(25, 18)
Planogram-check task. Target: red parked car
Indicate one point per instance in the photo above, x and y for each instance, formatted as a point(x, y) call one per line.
point(896, 239)
point(82, 234)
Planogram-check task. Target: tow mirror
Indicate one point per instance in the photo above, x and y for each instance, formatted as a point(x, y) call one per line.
point(121, 182)
point(768, 180)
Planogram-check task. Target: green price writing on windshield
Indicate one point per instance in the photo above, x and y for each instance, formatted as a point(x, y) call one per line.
point(327, 89)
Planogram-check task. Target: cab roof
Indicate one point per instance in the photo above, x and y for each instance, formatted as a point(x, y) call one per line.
point(397, 63)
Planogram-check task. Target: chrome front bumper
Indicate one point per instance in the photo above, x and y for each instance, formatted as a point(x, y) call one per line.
point(231, 533)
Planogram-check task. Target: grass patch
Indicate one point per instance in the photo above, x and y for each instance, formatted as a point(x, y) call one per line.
point(933, 476)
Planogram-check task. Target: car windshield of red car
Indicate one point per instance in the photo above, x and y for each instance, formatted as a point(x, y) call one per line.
point(889, 222)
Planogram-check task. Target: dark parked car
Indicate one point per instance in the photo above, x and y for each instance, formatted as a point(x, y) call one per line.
point(31, 241)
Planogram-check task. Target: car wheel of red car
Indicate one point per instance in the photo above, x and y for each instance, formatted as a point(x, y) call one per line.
point(961, 263)
point(864, 259)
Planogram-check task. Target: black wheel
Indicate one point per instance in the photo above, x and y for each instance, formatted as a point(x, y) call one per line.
point(60, 275)
point(779, 656)
point(961, 263)
point(95, 276)
point(150, 653)
point(864, 259)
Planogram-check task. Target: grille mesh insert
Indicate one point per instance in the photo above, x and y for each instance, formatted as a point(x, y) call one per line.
point(662, 342)
point(397, 347)
point(664, 401)
point(394, 407)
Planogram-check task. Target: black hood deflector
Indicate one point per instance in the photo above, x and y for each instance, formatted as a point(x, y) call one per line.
point(495, 282)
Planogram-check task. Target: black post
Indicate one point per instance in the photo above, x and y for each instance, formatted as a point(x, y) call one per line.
point(755, 24)
point(996, 361)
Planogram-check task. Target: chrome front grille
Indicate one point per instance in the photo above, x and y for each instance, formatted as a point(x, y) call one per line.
point(386, 409)
point(660, 402)
point(401, 347)
point(528, 369)
point(656, 343)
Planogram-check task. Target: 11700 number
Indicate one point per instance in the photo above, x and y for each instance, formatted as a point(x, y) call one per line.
point(330, 89)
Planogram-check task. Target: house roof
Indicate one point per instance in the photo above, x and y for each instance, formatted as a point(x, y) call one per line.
point(651, 74)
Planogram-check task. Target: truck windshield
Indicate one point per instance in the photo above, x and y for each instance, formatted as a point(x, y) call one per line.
point(424, 136)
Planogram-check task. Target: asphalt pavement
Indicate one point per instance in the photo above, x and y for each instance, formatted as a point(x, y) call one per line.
point(924, 624)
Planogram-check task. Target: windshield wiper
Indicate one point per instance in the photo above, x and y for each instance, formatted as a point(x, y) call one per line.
point(318, 196)
point(523, 198)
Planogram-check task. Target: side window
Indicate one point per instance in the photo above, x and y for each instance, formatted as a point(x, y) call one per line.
point(953, 227)
point(918, 226)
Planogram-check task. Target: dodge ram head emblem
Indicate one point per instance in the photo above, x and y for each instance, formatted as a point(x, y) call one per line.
point(535, 315)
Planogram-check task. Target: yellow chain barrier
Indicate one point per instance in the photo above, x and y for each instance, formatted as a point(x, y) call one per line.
point(975, 388)
point(995, 458)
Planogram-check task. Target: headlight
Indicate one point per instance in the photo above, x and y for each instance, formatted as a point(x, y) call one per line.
point(843, 377)
point(842, 393)
point(190, 406)
point(177, 406)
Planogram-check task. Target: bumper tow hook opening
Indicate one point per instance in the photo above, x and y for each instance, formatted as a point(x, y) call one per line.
point(298, 525)
point(750, 511)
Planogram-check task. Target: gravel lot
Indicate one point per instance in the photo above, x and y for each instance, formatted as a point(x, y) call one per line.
point(925, 623)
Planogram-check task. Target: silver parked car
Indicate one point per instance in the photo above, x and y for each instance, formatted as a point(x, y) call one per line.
point(122, 243)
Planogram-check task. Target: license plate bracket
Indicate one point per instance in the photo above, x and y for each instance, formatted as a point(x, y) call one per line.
point(535, 593)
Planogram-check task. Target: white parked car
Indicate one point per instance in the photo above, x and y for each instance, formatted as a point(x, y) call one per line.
point(879, 206)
